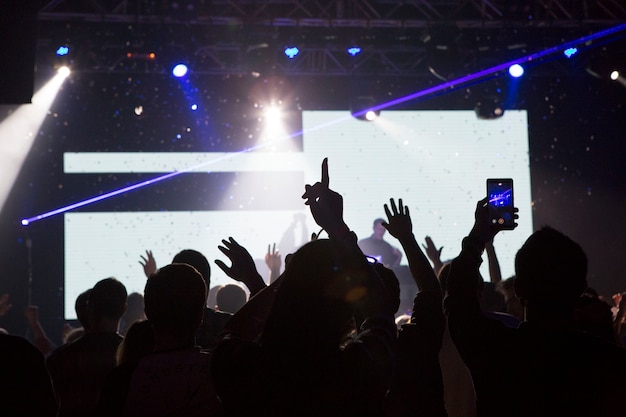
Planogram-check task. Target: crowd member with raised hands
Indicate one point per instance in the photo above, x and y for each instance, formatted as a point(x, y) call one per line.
point(546, 367)
point(417, 385)
point(297, 359)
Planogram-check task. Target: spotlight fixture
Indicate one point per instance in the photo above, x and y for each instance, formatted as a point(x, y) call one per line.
point(614, 75)
point(179, 70)
point(489, 108)
point(64, 71)
point(291, 52)
point(364, 108)
point(63, 50)
point(570, 52)
point(353, 50)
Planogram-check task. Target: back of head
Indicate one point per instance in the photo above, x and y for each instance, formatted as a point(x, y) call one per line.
point(316, 298)
point(230, 298)
point(550, 270)
point(81, 306)
point(175, 298)
point(378, 221)
point(107, 299)
point(197, 260)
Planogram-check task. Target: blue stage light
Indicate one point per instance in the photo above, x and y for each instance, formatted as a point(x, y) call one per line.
point(194, 107)
point(569, 52)
point(354, 50)
point(180, 70)
point(516, 70)
point(63, 50)
point(291, 52)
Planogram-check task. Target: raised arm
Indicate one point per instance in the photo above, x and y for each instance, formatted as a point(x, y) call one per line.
point(495, 275)
point(399, 225)
point(433, 254)
point(148, 263)
point(273, 260)
point(327, 209)
point(243, 268)
point(417, 386)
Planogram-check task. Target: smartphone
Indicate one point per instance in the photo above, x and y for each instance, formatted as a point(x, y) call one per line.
point(500, 193)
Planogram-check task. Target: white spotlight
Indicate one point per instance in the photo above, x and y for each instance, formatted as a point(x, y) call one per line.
point(19, 130)
point(614, 75)
point(370, 115)
point(516, 70)
point(64, 71)
point(180, 70)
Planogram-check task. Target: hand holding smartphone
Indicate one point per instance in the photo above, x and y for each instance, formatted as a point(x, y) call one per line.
point(501, 208)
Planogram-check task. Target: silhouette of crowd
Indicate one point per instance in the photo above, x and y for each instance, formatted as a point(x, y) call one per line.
point(322, 335)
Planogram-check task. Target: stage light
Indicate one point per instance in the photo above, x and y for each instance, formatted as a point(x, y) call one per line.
point(516, 70)
point(614, 75)
point(273, 114)
point(291, 52)
point(194, 107)
point(364, 108)
point(371, 115)
point(354, 51)
point(64, 71)
point(180, 70)
point(569, 52)
point(63, 50)
point(490, 106)
point(23, 126)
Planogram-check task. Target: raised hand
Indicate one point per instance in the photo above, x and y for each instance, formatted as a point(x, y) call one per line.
point(148, 263)
point(326, 205)
point(431, 250)
point(243, 268)
point(483, 228)
point(273, 260)
point(399, 223)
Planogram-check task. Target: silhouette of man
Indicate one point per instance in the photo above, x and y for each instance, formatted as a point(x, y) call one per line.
point(376, 247)
point(545, 367)
point(79, 369)
point(174, 380)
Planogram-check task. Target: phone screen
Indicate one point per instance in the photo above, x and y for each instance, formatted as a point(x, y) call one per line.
point(500, 193)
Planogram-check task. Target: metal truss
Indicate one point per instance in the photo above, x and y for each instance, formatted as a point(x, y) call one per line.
point(398, 38)
point(341, 13)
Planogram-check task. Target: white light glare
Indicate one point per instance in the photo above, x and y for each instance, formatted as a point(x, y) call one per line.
point(370, 115)
point(614, 75)
point(64, 71)
point(180, 70)
point(516, 70)
point(273, 114)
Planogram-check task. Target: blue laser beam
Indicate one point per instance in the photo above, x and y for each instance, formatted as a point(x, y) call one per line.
point(453, 84)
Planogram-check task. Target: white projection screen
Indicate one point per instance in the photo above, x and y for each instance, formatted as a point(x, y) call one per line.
point(436, 161)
